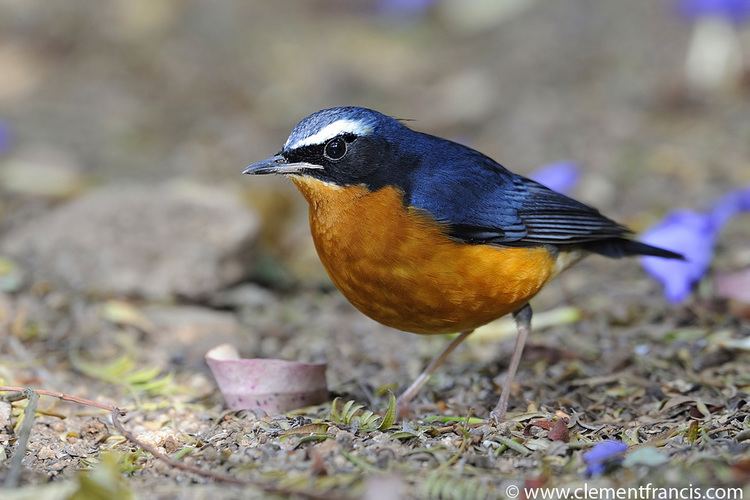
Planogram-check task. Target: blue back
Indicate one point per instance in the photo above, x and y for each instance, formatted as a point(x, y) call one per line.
point(482, 201)
point(476, 198)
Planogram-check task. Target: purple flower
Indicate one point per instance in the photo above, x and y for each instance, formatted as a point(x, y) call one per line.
point(735, 11)
point(5, 137)
point(602, 455)
point(561, 176)
point(729, 205)
point(404, 8)
point(694, 235)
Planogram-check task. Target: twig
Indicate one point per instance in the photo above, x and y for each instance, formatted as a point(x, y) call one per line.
point(16, 464)
point(199, 471)
point(61, 395)
point(33, 396)
point(217, 476)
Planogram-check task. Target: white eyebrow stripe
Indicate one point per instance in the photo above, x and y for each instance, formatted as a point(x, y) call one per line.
point(332, 130)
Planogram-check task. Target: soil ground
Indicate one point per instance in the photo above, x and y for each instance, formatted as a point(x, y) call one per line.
point(125, 92)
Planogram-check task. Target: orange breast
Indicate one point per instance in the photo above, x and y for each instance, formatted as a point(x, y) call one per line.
point(398, 267)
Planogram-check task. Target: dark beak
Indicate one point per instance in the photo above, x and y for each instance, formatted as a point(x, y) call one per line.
point(277, 164)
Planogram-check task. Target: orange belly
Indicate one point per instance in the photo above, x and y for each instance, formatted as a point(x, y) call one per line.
point(398, 267)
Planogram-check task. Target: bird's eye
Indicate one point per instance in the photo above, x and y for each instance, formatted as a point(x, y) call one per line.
point(335, 149)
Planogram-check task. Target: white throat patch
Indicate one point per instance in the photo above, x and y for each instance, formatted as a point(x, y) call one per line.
point(330, 131)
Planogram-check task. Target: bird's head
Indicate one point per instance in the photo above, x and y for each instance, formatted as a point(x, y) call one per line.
point(342, 146)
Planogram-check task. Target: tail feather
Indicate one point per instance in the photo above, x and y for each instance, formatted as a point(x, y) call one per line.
point(621, 247)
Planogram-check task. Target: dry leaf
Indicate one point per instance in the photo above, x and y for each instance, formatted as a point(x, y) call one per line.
point(559, 431)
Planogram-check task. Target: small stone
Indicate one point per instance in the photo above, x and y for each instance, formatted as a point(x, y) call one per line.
point(56, 467)
point(171, 445)
point(344, 438)
point(46, 453)
point(157, 242)
point(94, 430)
point(165, 438)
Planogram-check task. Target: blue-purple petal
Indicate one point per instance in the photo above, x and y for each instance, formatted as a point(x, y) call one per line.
point(405, 8)
point(690, 233)
point(735, 11)
point(729, 205)
point(5, 137)
point(603, 454)
point(561, 176)
point(694, 235)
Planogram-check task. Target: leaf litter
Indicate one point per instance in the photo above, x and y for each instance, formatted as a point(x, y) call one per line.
point(676, 407)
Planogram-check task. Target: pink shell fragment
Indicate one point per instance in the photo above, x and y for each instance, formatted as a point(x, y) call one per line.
point(272, 385)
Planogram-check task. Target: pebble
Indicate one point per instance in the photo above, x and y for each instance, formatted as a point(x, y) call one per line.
point(156, 242)
point(46, 453)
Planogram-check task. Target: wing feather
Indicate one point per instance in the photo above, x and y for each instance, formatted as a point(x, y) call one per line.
point(483, 202)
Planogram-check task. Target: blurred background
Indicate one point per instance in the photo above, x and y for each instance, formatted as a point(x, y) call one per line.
point(142, 91)
point(127, 232)
point(146, 112)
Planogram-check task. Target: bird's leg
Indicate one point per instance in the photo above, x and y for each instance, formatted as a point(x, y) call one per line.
point(413, 390)
point(523, 325)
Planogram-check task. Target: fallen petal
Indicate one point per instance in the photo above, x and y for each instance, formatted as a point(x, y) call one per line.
point(730, 205)
point(736, 11)
point(693, 235)
point(5, 137)
point(404, 8)
point(561, 176)
point(603, 454)
point(272, 385)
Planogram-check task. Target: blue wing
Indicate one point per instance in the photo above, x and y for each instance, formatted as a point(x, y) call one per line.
point(480, 201)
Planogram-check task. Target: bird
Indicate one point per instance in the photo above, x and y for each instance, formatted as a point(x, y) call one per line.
point(429, 236)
